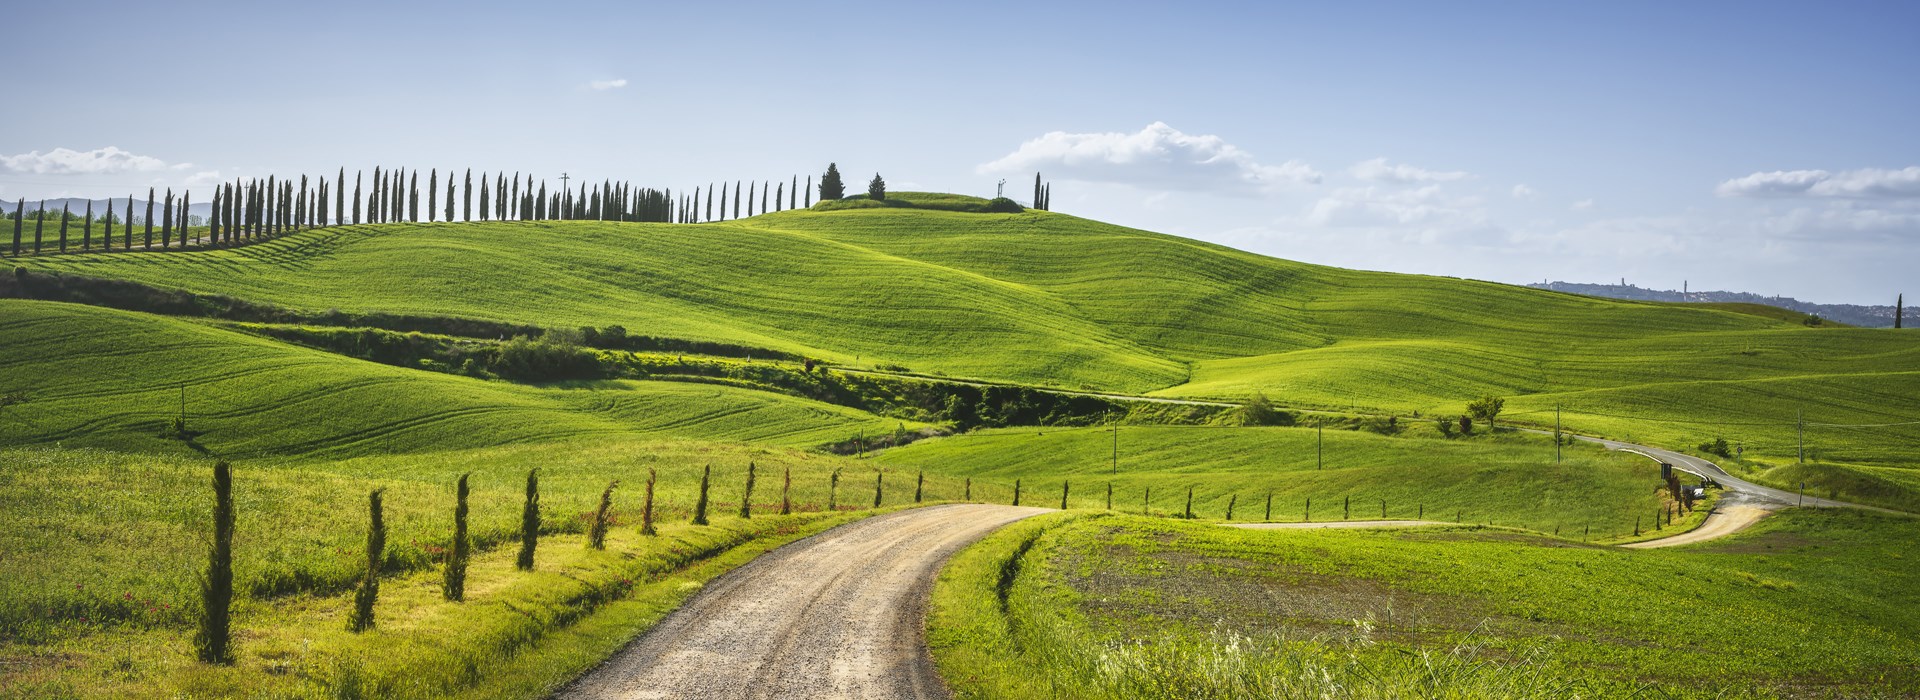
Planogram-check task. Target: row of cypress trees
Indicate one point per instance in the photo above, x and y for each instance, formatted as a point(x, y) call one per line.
point(254, 209)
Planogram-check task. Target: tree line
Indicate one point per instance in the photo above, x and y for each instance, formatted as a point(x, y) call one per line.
point(247, 210)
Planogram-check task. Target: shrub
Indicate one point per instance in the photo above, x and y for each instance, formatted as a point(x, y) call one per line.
point(1717, 446)
point(646, 514)
point(1002, 205)
point(786, 488)
point(700, 506)
point(1259, 411)
point(1445, 425)
point(555, 355)
point(879, 485)
point(746, 499)
point(1466, 424)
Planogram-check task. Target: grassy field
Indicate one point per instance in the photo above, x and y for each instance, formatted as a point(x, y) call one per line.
point(1050, 299)
point(1510, 480)
point(104, 547)
point(1807, 604)
point(102, 378)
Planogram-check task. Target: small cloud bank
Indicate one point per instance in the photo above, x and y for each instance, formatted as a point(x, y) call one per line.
point(64, 161)
point(1867, 183)
point(607, 84)
point(1158, 156)
point(1379, 170)
point(1523, 192)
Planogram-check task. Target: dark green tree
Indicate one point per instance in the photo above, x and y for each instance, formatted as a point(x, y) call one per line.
point(529, 522)
point(746, 498)
point(1899, 302)
point(597, 533)
point(413, 197)
point(646, 514)
point(186, 217)
point(877, 188)
point(126, 231)
point(736, 199)
point(750, 188)
point(830, 185)
point(879, 486)
point(809, 191)
point(453, 586)
point(64, 215)
point(340, 196)
point(793, 192)
point(700, 506)
point(356, 196)
point(709, 216)
point(1036, 190)
point(86, 228)
point(149, 218)
point(20, 220)
point(483, 196)
point(40, 221)
point(369, 591)
point(466, 197)
point(213, 641)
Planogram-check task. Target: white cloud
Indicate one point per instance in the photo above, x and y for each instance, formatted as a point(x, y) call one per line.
point(1379, 170)
point(1158, 156)
point(204, 178)
point(1582, 205)
point(1523, 192)
point(1373, 206)
point(607, 84)
point(1867, 183)
point(64, 161)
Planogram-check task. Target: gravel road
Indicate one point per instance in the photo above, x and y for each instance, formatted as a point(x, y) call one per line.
point(1335, 524)
point(841, 614)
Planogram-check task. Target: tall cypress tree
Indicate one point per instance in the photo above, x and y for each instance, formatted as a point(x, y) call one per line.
point(213, 218)
point(340, 196)
point(39, 222)
point(750, 187)
point(413, 197)
point(356, 196)
point(449, 202)
point(1036, 190)
point(453, 585)
point(86, 228)
point(186, 218)
point(212, 641)
point(1899, 302)
point(779, 195)
point(763, 198)
point(736, 199)
point(793, 193)
point(150, 218)
point(126, 231)
point(166, 221)
point(64, 213)
point(809, 191)
point(466, 198)
point(20, 220)
point(483, 196)
point(433, 194)
point(709, 216)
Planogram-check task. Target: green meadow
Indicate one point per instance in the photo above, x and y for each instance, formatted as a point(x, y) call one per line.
point(1806, 604)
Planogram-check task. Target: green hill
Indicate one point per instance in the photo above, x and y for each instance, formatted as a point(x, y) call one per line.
point(97, 377)
point(1049, 299)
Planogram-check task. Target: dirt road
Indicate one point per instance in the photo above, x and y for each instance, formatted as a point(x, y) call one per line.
point(1724, 520)
point(837, 615)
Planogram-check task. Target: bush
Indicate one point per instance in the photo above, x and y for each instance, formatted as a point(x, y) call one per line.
point(1258, 411)
point(1445, 425)
point(1002, 205)
point(555, 355)
point(1717, 446)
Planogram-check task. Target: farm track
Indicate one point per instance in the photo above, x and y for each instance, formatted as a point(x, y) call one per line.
point(837, 615)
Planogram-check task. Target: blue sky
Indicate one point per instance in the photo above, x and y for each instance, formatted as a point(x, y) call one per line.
point(1764, 147)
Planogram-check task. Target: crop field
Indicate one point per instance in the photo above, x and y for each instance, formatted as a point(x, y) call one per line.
point(1510, 480)
point(1807, 604)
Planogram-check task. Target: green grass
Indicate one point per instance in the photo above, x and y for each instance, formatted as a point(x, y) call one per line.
point(103, 547)
point(1050, 299)
point(1510, 480)
point(1808, 603)
point(102, 378)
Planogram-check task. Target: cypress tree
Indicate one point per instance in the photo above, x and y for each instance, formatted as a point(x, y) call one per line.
point(86, 228)
point(793, 193)
point(646, 514)
point(515, 210)
point(879, 485)
point(779, 194)
point(20, 220)
point(340, 196)
point(369, 592)
point(877, 188)
point(213, 219)
point(1899, 302)
point(166, 221)
point(1064, 486)
point(186, 217)
point(809, 191)
point(763, 198)
point(126, 231)
point(1189, 502)
point(149, 218)
point(300, 205)
point(453, 586)
point(700, 506)
point(746, 499)
point(736, 199)
point(213, 641)
point(529, 522)
point(433, 193)
point(833, 491)
point(750, 187)
point(830, 186)
point(106, 235)
point(919, 485)
point(500, 197)
point(786, 491)
point(356, 196)
point(466, 198)
point(64, 213)
point(597, 534)
point(709, 216)
point(1036, 190)
point(40, 221)
point(1016, 492)
point(483, 196)
point(376, 199)
point(540, 209)
point(413, 197)
point(449, 203)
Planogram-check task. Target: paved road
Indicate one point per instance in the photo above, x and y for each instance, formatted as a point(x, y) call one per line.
point(841, 614)
point(1737, 490)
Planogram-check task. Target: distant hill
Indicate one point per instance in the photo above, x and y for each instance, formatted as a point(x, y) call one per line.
point(78, 206)
point(1850, 314)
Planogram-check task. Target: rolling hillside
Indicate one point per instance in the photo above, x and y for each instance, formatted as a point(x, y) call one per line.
point(1049, 299)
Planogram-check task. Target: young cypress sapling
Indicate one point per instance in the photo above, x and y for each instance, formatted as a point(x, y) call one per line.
point(369, 591)
point(879, 486)
point(453, 585)
point(213, 641)
point(597, 534)
point(700, 506)
point(786, 489)
point(646, 513)
point(746, 499)
point(529, 522)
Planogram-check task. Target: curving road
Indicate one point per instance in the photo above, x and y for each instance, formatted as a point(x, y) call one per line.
point(841, 614)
